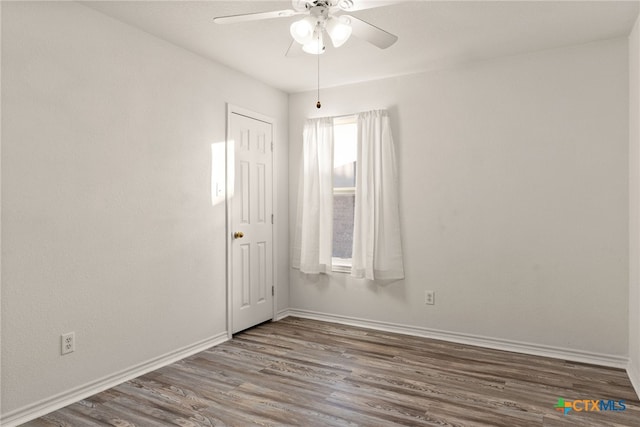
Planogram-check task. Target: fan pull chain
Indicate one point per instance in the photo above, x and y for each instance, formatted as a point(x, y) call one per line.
point(318, 104)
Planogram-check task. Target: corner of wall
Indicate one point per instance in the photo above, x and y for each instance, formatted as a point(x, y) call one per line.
point(634, 377)
point(633, 368)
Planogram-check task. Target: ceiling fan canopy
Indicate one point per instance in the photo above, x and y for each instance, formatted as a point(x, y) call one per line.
point(324, 17)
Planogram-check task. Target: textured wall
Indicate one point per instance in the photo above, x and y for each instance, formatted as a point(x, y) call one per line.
point(513, 192)
point(108, 225)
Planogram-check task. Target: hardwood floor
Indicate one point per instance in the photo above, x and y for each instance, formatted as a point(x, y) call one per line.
point(309, 373)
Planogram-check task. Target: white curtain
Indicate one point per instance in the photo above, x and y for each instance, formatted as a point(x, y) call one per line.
point(377, 245)
point(312, 249)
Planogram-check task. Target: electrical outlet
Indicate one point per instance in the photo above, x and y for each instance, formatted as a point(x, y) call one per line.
point(68, 342)
point(429, 297)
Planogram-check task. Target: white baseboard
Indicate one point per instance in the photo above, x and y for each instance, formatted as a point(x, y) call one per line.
point(282, 314)
point(608, 360)
point(38, 409)
point(634, 377)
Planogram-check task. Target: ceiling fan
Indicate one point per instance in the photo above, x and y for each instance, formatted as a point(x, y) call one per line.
point(324, 17)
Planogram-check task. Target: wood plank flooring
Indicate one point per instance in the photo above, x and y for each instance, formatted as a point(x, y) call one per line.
point(308, 373)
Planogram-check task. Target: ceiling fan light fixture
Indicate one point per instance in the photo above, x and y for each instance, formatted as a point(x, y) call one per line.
point(302, 30)
point(339, 30)
point(316, 45)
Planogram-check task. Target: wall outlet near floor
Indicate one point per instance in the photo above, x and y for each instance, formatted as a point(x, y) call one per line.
point(429, 297)
point(68, 342)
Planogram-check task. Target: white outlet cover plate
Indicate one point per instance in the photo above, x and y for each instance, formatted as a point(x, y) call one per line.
point(68, 343)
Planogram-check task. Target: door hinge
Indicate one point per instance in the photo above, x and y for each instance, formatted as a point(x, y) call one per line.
point(273, 291)
point(271, 218)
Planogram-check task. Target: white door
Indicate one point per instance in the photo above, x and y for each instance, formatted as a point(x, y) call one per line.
point(251, 222)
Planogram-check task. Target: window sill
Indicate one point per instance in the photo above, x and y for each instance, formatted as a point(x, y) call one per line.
point(341, 265)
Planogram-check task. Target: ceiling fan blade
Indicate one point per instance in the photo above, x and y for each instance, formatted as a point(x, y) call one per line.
point(355, 5)
point(232, 19)
point(369, 32)
point(295, 49)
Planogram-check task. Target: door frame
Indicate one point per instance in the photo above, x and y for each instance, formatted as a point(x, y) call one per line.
point(230, 178)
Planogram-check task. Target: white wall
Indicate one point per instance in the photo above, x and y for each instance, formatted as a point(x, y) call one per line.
point(634, 206)
point(513, 198)
point(109, 229)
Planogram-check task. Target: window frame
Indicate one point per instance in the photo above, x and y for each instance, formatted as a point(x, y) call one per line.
point(343, 265)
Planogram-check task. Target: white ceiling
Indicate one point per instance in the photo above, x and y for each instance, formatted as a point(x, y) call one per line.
point(432, 34)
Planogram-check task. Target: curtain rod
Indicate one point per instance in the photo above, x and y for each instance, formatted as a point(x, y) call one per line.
point(344, 116)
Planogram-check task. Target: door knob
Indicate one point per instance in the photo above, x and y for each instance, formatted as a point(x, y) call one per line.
point(238, 235)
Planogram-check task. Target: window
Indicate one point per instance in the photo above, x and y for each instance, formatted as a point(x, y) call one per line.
point(344, 191)
point(367, 240)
